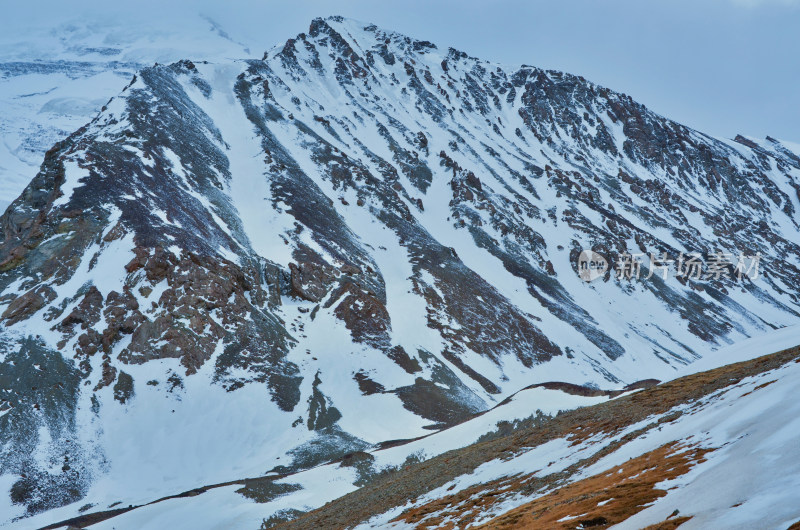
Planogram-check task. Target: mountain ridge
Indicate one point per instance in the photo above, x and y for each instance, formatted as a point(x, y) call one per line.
point(358, 227)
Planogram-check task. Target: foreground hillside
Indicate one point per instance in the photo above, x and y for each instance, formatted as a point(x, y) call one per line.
point(250, 268)
point(716, 449)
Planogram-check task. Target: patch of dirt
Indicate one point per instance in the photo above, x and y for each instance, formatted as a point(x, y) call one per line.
point(624, 491)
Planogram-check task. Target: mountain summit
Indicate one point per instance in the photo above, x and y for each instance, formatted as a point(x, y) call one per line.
point(262, 265)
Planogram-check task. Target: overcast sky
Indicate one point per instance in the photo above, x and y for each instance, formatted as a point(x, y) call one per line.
point(722, 66)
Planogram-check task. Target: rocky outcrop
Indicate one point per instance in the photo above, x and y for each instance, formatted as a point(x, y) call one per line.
point(364, 315)
point(311, 281)
point(26, 305)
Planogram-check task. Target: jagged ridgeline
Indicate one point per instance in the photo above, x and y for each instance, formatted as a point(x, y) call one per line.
point(267, 264)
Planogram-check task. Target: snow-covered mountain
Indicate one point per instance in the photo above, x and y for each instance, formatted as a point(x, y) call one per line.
point(245, 266)
point(53, 80)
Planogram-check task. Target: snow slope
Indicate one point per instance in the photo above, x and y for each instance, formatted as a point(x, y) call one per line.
point(738, 439)
point(250, 267)
point(224, 507)
point(53, 80)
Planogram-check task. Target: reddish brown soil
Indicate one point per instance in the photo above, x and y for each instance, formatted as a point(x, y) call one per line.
point(625, 489)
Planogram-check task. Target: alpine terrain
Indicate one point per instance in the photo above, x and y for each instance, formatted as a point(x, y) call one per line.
point(249, 287)
point(55, 79)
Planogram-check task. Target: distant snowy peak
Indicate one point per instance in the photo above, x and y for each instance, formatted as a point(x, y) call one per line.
point(363, 237)
point(53, 80)
point(98, 40)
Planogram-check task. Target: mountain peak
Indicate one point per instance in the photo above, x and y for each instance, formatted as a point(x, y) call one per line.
point(363, 238)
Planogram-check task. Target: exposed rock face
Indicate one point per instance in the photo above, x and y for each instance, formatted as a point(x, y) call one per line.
point(364, 315)
point(29, 303)
point(311, 281)
point(365, 222)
